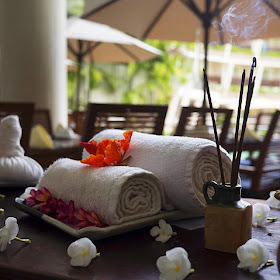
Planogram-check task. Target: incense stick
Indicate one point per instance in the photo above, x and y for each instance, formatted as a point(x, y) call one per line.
point(250, 91)
point(215, 128)
point(237, 128)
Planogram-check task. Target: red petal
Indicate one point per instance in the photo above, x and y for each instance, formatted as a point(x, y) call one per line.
point(46, 192)
point(113, 153)
point(94, 160)
point(102, 146)
point(125, 143)
point(33, 192)
point(91, 146)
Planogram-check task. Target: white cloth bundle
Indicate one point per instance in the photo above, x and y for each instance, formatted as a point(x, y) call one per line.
point(15, 168)
point(182, 164)
point(116, 193)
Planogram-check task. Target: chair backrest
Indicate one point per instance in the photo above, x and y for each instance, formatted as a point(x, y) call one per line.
point(262, 123)
point(190, 115)
point(42, 117)
point(267, 142)
point(25, 112)
point(76, 121)
point(143, 118)
point(260, 172)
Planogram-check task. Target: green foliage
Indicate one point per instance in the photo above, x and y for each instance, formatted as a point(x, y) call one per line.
point(147, 82)
point(273, 53)
point(157, 76)
point(102, 77)
point(235, 49)
point(71, 87)
point(75, 8)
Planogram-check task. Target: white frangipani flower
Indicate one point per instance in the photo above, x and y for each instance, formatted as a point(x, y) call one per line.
point(175, 265)
point(163, 232)
point(252, 255)
point(272, 201)
point(260, 214)
point(26, 193)
point(82, 251)
point(8, 232)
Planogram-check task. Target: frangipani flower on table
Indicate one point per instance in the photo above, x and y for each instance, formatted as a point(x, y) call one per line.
point(82, 251)
point(272, 201)
point(9, 232)
point(175, 265)
point(252, 255)
point(163, 232)
point(260, 214)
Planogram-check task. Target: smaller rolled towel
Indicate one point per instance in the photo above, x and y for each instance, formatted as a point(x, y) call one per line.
point(182, 164)
point(15, 168)
point(116, 193)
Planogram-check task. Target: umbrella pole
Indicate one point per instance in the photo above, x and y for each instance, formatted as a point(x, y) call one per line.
point(79, 78)
point(206, 41)
point(79, 73)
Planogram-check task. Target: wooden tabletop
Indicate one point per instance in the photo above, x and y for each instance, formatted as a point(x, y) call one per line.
point(130, 256)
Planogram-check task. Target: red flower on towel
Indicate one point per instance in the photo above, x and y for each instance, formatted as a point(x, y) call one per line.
point(107, 152)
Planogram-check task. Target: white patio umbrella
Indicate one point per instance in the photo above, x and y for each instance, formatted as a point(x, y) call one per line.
point(87, 39)
point(179, 19)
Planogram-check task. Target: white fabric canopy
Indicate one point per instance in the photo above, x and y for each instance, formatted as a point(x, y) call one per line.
point(104, 43)
point(101, 43)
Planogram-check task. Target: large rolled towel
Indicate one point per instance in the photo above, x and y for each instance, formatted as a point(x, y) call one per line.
point(183, 164)
point(16, 169)
point(116, 193)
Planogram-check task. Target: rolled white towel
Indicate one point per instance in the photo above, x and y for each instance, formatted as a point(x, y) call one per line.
point(116, 193)
point(15, 168)
point(183, 164)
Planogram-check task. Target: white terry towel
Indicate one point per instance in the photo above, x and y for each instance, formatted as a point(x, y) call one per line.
point(183, 164)
point(15, 168)
point(116, 193)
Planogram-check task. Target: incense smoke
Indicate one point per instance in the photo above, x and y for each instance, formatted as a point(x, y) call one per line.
point(246, 20)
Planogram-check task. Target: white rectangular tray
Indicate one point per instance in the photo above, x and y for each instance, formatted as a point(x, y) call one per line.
point(96, 233)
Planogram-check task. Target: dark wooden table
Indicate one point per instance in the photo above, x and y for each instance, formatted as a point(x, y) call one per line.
point(129, 256)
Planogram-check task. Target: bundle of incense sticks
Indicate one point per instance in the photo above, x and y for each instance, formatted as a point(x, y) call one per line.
point(237, 144)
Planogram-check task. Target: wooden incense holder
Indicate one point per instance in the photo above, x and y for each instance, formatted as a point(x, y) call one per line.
point(228, 219)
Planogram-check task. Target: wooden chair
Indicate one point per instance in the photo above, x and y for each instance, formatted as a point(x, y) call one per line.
point(261, 174)
point(190, 115)
point(143, 118)
point(263, 120)
point(76, 121)
point(25, 112)
point(42, 117)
